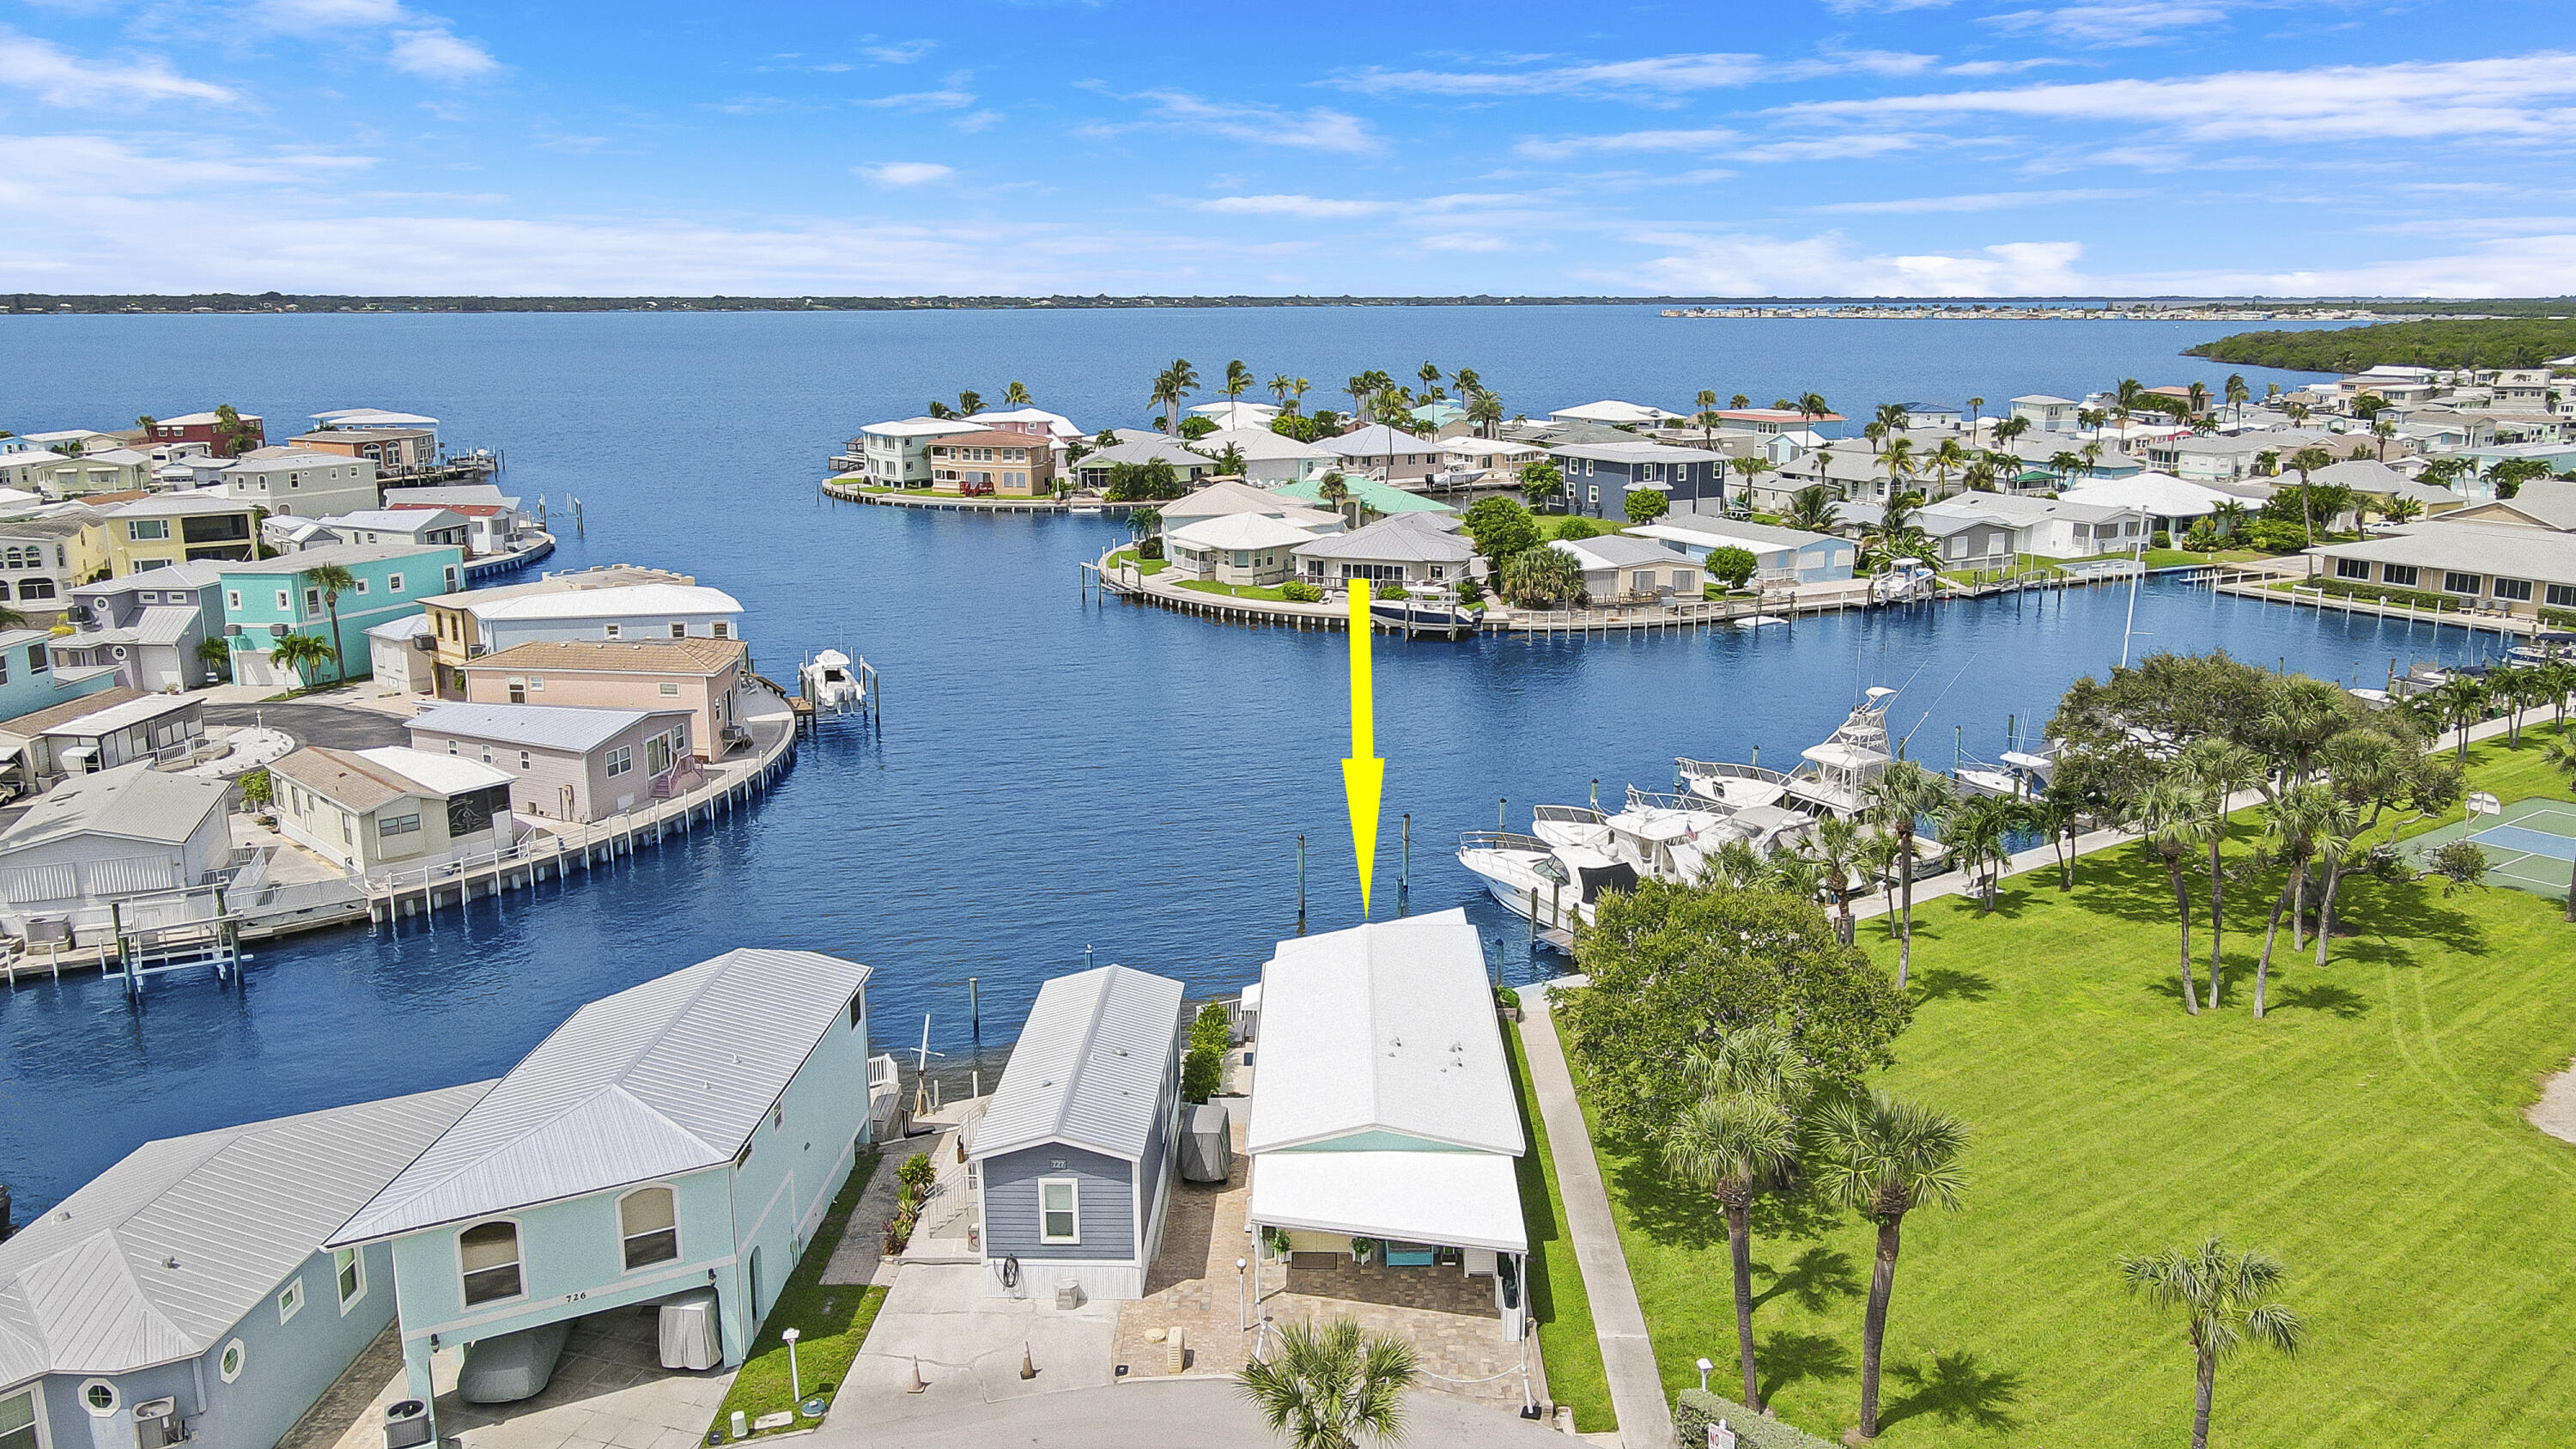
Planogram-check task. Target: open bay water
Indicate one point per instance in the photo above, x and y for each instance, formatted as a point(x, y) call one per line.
point(1049, 777)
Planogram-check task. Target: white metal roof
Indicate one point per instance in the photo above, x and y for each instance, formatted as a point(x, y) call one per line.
point(396, 520)
point(547, 726)
point(1382, 1027)
point(130, 802)
point(439, 774)
point(1058, 426)
point(409, 626)
point(2161, 494)
point(160, 1256)
point(1455, 1199)
point(1612, 551)
point(1241, 530)
point(1088, 1068)
point(124, 715)
point(1611, 411)
point(615, 602)
point(659, 1079)
point(1259, 445)
point(372, 418)
point(922, 428)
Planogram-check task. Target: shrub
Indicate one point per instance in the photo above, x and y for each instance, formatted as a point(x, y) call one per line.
point(1731, 566)
point(1150, 548)
point(1211, 1028)
point(2162, 539)
point(1645, 505)
point(2275, 536)
point(1697, 1409)
point(1202, 1072)
point(1506, 998)
point(917, 1172)
point(1296, 592)
point(2461, 864)
point(1501, 528)
point(1543, 578)
point(1193, 429)
point(1578, 527)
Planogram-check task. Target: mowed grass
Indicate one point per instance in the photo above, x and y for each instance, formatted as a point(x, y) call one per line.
point(2368, 1132)
point(1568, 1343)
point(831, 1320)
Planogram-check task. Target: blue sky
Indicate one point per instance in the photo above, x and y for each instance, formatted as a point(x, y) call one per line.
point(1800, 147)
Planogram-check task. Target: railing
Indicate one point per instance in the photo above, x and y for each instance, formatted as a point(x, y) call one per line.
point(1728, 770)
point(1501, 840)
point(1570, 814)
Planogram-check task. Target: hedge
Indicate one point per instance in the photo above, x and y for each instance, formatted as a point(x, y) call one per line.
point(1698, 1409)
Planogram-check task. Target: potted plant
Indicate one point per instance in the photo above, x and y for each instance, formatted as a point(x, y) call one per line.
point(1363, 1249)
point(1507, 1003)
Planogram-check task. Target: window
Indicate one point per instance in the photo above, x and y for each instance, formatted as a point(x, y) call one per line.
point(18, 1420)
point(858, 1008)
point(313, 601)
point(719, 628)
point(99, 1397)
point(285, 600)
point(488, 1256)
point(2561, 596)
point(2352, 568)
point(2518, 590)
point(679, 631)
point(2402, 575)
point(1059, 1210)
point(524, 760)
point(657, 754)
point(487, 754)
point(362, 586)
point(2456, 583)
point(612, 631)
point(648, 1228)
point(147, 530)
point(671, 691)
point(398, 824)
point(620, 760)
point(349, 1267)
point(393, 583)
point(290, 1302)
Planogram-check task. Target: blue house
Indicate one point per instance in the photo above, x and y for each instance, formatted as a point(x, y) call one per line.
point(186, 1295)
point(1599, 476)
point(31, 681)
point(681, 1136)
point(1073, 1153)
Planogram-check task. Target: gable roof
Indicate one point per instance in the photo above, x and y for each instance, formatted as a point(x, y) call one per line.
point(1259, 445)
point(544, 726)
point(1398, 538)
point(365, 779)
point(1376, 440)
point(1240, 530)
point(1368, 493)
point(692, 655)
point(1383, 1027)
point(1089, 1066)
point(659, 1079)
point(28, 726)
point(344, 554)
point(159, 1257)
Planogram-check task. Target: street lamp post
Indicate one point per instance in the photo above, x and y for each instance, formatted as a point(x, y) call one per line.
point(1704, 1367)
point(796, 1386)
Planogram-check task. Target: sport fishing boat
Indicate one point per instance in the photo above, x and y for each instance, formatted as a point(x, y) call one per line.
point(1427, 608)
point(1836, 775)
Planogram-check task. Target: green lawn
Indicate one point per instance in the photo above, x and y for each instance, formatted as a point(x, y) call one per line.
point(2368, 1132)
point(1235, 591)
point(1567, 1340)
point(1550, 525)
point(831, 1320)
point(1126, 556)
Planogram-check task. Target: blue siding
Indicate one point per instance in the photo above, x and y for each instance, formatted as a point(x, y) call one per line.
point(1108, 1215)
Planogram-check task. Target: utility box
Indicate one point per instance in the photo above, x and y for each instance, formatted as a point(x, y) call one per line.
point(406, 1424)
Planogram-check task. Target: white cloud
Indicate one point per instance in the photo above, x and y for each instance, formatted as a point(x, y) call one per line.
point(1655, 77)
point(439, 55)
point(59, 78)
point(1855, 146)
point(1314, 129)
point(940, 100)
point(1980, 201)
point(900, 52)
point(2120, 22)
point(2536, 266)
point(905, 173)
point(1560, 148)
point(1828, 265)
point(1313, 207)
point(1463, 241)
point(305, 15)
point(974, 121)
point(1848, 7)
point(32, 167)
point(2409, 100)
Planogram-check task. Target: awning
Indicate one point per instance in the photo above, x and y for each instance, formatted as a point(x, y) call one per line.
point(1453, 1199)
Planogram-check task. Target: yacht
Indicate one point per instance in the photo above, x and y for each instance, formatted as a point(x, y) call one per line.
point(1555, 874)
point(1836, 775)
point(1734, 786)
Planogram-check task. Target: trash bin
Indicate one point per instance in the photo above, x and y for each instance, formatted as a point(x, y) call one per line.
point(406, 1424)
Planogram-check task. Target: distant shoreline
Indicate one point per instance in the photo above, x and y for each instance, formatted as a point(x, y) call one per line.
point(283, 303)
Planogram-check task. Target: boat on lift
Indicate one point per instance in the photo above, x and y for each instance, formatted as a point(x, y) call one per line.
point(1427, 608)
point(834, 684)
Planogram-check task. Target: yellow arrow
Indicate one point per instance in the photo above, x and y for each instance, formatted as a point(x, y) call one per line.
point(1363, 773)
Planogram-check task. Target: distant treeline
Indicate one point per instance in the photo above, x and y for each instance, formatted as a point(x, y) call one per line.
point(2514, 343)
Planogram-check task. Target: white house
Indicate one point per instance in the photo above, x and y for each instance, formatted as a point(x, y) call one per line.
point(400, 525)
point(391, 807)
point(629, 611)
point(1616, 566)
point(302, 481)
point(2169, 503)
point(2047, 414)
point(1228, 498)
point(1270, 457)
point(1613, 413)
point(132, 830)
point(1401, 550)
point(1780, 555)
point(2050, 527)
point(1236, 413)
point(1238, 548)
point(897, 454)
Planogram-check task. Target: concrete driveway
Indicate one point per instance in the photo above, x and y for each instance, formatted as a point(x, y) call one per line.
point(969, 1347)
point(1151, 1414)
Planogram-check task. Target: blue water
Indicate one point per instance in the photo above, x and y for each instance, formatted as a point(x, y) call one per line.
point(1049, 777)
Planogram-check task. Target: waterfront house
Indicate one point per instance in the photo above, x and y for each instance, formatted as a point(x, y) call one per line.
point(1270, 457)
point(681, 1136)
point(205, 431)
point(1056, 428)
point(2505, 567)
point(1610, 412)
point(389, 807)
point(1383, 1118)
point(1364, 500)
point(620, 612)
point(96, 470)
point(127, 831)
point(1437, 416)
point(993, 461)
point(1228, 497)
point(2169, 504)
point(1235, 413)
point(146, 627)
point(401, 657)
point(169, 528)
point(1772, 422)
point(1621, 569)
point(897, 454)
point(1390, 455)
point(1552, 434)
point(1091, 471)
point(303, 482)
point(57, 442)
point(30, 684)
point(1599, 476)
point(1073, 1152)
point(567, 764)
point(1238, 549)
point(1394, 553)
point(365, 418)
point(267, 599)
point(1780, 555)
point(1473, 455)
point(426, 527)
point(393, 450)
point(43, 557)
point(2540, 503)
point(2048, 414)
point(100, 730)
point(1970, 540)
point(183, 1296)
point(2060, 528)
point(2196, 458)
point(710, 678)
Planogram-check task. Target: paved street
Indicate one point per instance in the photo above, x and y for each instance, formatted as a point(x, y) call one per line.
point(337, 725)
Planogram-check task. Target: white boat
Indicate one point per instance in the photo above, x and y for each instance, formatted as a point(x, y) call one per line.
point(1554, 884)
point(1836, 775)
point(1906, 578)
point(1427, 607)
point(1756, 621)
point(1724, 782)
point(1085, 510)
point(833, 684)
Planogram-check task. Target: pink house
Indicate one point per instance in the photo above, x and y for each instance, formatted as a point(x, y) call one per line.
point(575, 765)
point(710, 678)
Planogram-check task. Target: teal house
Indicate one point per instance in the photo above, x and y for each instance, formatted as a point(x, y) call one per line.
point(267, 599)
point(676, 1144)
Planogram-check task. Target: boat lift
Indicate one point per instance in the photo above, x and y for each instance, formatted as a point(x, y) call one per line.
point(833, 688)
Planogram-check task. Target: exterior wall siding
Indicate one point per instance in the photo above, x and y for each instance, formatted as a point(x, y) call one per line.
point(1106, 1196)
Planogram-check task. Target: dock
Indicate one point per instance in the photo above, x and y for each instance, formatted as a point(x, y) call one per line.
point(955, 503)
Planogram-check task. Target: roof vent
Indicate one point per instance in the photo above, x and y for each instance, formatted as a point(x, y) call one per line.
point(170, 1263)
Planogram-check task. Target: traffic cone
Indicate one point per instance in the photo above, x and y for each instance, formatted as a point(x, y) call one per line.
point(916, 1386)
point(1028, 1365)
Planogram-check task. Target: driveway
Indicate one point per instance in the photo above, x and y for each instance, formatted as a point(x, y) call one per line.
point(1182, 1413)
point(337, 725)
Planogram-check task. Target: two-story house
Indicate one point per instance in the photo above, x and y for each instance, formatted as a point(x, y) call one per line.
point(267, 599)
point(710, 678)
point(393, 450)
point(1391, 455)
point(2048, 414)
point(303, 482)
point(567, 763)
point(1599, 476)
point(897, 454)
point(995, 461)
point(206, 430)
point(42, 558)
point(170, 528)
point(456, 631)
point(147, 627)
point(679, 1138)
point(99, 470)
point(470, 625)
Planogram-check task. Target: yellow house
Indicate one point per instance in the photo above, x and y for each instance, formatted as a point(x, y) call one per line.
point(170, 528)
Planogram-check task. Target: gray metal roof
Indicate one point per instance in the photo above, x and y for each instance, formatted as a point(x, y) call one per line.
point(129, 802)
point(545, 726)
point(90, 1287)
point(1088, 1069)
point(663, 1078)
point(1396, 539)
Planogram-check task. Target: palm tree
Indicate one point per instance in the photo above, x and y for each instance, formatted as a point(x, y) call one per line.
point(2172, 823)
point(1752, 467)
point(969, 403)
point(2561, 756)
point(1882, 1157)
point(2462, 699)
point(2293, 822)
point(300, 654)
point(1976, 829)
point(2307, 460)
point(1899, 461)
point(2198, 400)
point(1015, 396)
point(2230, 517)
point(1173, 384)
point(1469, 381)
point(2383, 429)
point(2127, 398)
point(216, 655)
point(2238, 394)
point(1706, 402)
point(2057, 816)
point(332, 580)
point(1735, 1139)
point(1297, 393)
point(1333, 492)
point(1876, 432)
point(1358, 387)
point(2229, 1296)
point(1811, 508)
point(1739, 401)
point(1280, 383)
point(1903, 793)
point(1429, 372)
point(1238, 380)
point(1836, 849)
point(1811, 405)
point(2064, 463)
point(1976, 412)
point(2218, 769)
point(1323, 1388)
point(1945, 456)
point(2011, 428)
point(1485, 412)
point(2401, 509)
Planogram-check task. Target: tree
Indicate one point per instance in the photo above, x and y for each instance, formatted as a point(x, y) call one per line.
point(2172, 823)
point(938, 409)
point(1542, 578)
point(2011, 428)
point(1501, 528)
point(145, 424)
point(1171, 385)
point(1811, 508)
point(1540, 481)
point(2056, 815)
point(2238, 394)
point(332, 580)
point(1882, 1157)
point(969, 403)
point(259, 788)
point(1752, 466)
point(1229, 460)
point(1323, 1388)
point(215, 654)
point(1977, 829)
point(1706, 402)
point(2561, 755)
point(2462, 699)
point(2217, 769)
point(1333, 492)
point(2293, 822)
point(1156, 479)
point(1739, 401)
point(2306, 461)
point(1736, 1139)
point(1673, 969)
point(1836, 849)
point(1016, 395)
point(1947, 456)
point(2229, 1298)
point(1732, 566)
point(1645, 505)
point(1429, 372)
point(1485, 412)
point(2127, 398)
point(231, 433)
point(299, 654)
point(1902, 794)
point(1811, 406)
point(1238, 380)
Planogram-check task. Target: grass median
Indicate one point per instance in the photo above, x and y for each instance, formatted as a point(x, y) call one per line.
point(831, 1321)
point(1567, 1341)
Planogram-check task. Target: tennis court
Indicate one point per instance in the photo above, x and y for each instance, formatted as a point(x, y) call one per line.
point(2530, 845)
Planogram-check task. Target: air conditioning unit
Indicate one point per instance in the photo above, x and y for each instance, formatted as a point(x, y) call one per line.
point(156, 1409)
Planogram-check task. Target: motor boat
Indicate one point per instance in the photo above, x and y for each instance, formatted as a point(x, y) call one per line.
point(1836, 775)
point(1556, 874)
point(1724, 782)
point(833, 684)
point(1427, 606)
point(1905, 579)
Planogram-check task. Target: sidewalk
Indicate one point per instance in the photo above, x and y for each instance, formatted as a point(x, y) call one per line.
point(1627, 1354)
